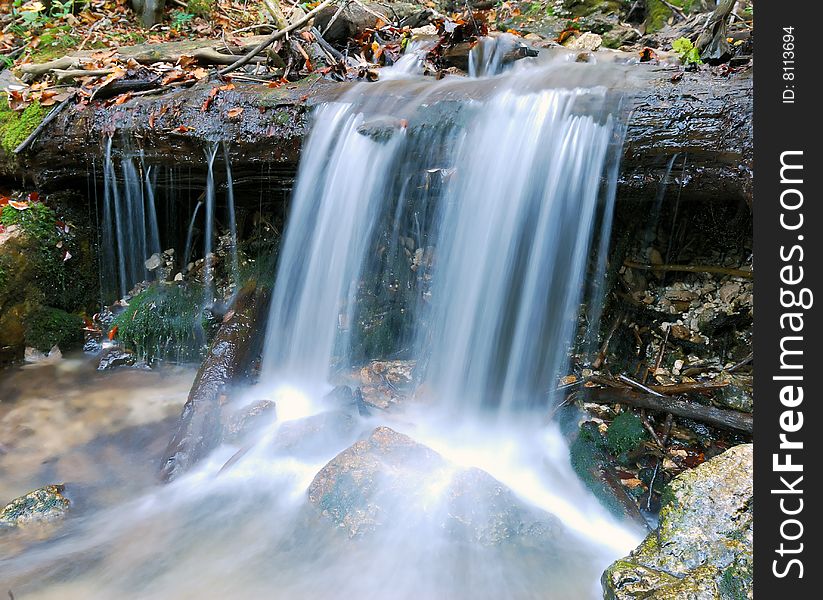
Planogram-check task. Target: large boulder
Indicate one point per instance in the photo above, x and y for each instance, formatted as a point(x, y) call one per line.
point(389, 479)
point(702, 549)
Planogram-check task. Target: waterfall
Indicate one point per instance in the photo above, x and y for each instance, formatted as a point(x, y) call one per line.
point(130, 226)
point(493, 188)
point(458, 223)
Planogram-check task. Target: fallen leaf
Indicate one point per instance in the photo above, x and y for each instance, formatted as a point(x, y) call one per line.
point(234, 112)
point(112, 333)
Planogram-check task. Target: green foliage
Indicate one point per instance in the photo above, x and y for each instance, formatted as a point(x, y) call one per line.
point(200, 8)
point(16, 127)
point(625, 433)
point(180, 18)
point(69, 284)
point(163, 321)
point(48, 327)
point(689, 55)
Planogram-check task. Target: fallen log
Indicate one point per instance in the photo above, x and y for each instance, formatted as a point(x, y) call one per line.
point(235, 345)
point(717, 417)
point(205, 51)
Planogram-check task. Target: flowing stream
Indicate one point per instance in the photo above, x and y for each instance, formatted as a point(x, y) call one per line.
point(478, 211)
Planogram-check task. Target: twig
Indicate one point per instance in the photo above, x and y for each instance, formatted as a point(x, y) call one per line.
point(637, 385)
point(691, 269)
point(340, 9)
point(49, 118)
point(601, 356)
point(674, 9)
point(742, 363)
point(246, 58)
point(330, 50)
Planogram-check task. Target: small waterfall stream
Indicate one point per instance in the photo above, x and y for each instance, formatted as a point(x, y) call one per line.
point(464, 213)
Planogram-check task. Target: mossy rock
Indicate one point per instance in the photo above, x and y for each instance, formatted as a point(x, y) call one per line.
point(164, 321)
point(658, 14)
point(702, 549)
point(584, 8)
point(47, 327)
point(45, 504)
point(625, 433)
point(17, 126)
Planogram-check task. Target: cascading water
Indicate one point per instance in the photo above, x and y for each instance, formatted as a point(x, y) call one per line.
point(130, 230)
point(461, 215)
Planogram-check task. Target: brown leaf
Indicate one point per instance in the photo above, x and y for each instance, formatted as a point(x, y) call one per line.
point(234, 112)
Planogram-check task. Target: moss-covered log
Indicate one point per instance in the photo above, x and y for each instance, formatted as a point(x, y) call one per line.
point(701, 120)
point(235, 346)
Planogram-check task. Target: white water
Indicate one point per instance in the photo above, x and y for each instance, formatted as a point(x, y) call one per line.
point(494, 187)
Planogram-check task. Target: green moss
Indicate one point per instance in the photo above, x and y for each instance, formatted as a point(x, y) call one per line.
point(48, 327)
point(735, 581)
point(658, 14)
point(587, 458)
point(62, 259)
point(625, 433)
point(282, 117)
point(16, 127)
point(164, 321)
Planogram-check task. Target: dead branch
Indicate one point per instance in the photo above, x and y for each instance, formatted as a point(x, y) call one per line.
point(718, 417)
point(690, 269)
point(246, 58)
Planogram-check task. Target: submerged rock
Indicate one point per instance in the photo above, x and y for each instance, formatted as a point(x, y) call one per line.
point(703, 546)
point(391, 480)
point(46, 504)
point(113, 357)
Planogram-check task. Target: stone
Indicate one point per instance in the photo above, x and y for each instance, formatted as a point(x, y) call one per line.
point(585, 41)
point(313, 433)
point(113, 357)
point(154, 261)
point(390, 478)
point(737, 395)
point(43, 505)
point(248, 420)
point(702, 549)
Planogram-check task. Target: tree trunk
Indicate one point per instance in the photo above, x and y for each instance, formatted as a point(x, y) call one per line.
point(236, 344)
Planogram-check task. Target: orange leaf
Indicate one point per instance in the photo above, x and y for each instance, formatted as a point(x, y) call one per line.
point(18, 205)
point(112, 333)
point(234, 112)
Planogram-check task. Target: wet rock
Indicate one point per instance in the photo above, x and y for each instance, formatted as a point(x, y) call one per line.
point(702, 548)
point(113, 357)
point(249, 420)
point(389, 478)
point(385, 384)
point(737, 395)
point(620, 35)
point(313, 433)
point(154, 261)
point(43, 505)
